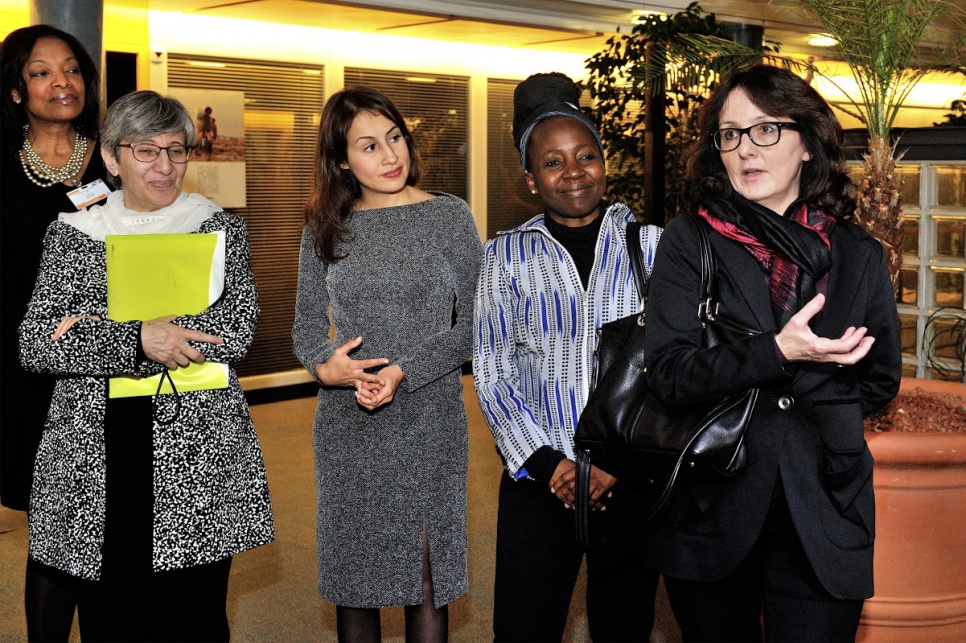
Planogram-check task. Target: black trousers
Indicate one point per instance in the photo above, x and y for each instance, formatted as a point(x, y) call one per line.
point(178, 605)
point(775, 586)
point(537, 562)
point(131, 601)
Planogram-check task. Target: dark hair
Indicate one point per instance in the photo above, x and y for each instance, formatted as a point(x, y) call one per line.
point(543, 96)
point(334, 189)
point(824, 182)
point(139, 115)
point(14, 53)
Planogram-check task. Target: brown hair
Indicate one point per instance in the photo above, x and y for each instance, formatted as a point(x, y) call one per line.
point(335, 189)
point(824, 182)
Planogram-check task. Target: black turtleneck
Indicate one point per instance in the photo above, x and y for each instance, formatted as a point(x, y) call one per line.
point(580, 243)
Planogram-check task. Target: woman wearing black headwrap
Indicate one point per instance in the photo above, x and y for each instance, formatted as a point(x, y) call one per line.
point(545, 288)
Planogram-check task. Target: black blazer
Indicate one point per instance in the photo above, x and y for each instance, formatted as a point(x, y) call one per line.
point(807, 425)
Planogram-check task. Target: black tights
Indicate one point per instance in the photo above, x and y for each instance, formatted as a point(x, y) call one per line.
point(49, 602)
point(423, 622)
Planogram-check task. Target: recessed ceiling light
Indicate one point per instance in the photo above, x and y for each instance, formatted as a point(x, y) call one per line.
point(822, 40)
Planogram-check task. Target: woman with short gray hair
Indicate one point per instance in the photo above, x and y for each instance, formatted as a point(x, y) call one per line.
point(142, 501)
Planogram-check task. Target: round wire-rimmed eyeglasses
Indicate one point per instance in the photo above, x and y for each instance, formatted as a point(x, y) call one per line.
point(149, 152)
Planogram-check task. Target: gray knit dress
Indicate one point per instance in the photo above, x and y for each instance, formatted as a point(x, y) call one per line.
point(406, 286)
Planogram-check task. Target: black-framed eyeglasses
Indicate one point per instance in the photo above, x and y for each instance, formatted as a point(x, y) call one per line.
point(149, 152)
point(761, 134)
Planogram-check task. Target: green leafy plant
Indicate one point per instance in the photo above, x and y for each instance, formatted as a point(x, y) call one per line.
point(956, 116)
point(619, 79)
point(884, 44)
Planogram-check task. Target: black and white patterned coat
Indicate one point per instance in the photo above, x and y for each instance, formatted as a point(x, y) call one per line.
point(210, 488)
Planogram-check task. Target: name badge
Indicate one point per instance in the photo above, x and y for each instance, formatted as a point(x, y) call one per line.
point(89, 194)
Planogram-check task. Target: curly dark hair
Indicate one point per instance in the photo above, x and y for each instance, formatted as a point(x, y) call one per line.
point(824, 183)
point(334, 189)
point(14, 53)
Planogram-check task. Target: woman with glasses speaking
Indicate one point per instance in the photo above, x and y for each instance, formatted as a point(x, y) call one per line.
point(787, 542)
point(142, 501)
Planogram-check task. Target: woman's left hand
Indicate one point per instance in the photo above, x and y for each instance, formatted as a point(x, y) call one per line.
point(67, 322)
point(167, 343)
point(374, 396)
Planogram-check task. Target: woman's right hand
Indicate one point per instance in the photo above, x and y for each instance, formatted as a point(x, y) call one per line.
point(563, 484)
point(342, 370)
point(167, 343)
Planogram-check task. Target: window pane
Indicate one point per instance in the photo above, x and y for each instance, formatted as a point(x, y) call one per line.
point(282, 105)
point(951, 186)
point(949, 288)
point(949, 237)
point(947, 337)
point(949, 375)
point(910, 185)
point(908, 286)
point(910, 236)
point(909, 333)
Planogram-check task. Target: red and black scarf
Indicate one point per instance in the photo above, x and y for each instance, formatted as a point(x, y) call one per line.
point(793, 250)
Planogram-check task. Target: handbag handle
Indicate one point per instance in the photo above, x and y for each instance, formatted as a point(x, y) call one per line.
point(708, 300)
point(634, 229)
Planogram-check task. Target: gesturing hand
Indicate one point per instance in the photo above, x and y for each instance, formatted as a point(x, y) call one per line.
point(167, 343)
point(342, 370)
point(798, 343)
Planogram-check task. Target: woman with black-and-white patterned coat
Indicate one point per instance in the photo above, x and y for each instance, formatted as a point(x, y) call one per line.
point(143, 514)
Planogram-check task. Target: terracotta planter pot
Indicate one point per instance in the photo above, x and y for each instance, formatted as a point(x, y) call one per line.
point(920, 546)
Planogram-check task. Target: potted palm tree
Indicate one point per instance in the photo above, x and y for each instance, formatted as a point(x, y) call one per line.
point(883, 43)
point(919, 478)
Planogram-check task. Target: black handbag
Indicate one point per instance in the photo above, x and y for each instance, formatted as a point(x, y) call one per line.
point(627, 432)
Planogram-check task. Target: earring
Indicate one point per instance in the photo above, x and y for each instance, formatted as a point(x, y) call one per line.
point(533, 191)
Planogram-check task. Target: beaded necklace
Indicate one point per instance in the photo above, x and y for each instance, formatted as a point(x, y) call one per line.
point(46, 175)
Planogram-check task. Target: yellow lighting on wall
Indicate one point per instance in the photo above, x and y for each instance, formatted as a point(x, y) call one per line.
point(936, 95)
point(228, 37)
point(269, 120)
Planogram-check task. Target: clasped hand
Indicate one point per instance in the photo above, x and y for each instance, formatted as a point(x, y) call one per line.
point(168, 344)
point(798, 343)
point(162, 341)
point(372, 389)
point(563, 484)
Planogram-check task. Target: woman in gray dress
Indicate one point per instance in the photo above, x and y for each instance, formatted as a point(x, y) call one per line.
point(391, 269)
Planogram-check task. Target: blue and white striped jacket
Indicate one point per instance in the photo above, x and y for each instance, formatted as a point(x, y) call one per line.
point(535, 328)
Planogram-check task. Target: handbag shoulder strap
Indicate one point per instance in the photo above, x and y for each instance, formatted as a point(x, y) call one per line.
point(634, 229)
point(708, 302)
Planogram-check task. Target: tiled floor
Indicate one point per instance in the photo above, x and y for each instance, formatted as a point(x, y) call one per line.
point(272, 593)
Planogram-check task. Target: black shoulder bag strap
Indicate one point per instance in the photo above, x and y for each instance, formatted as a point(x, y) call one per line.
point(708, 304)
point(582, 481)
point(634, 230)
point(707, 308)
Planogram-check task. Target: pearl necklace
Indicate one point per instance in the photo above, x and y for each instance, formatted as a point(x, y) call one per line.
point(46, 175)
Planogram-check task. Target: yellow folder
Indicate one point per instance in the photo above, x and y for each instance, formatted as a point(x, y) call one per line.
point(154, 275)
